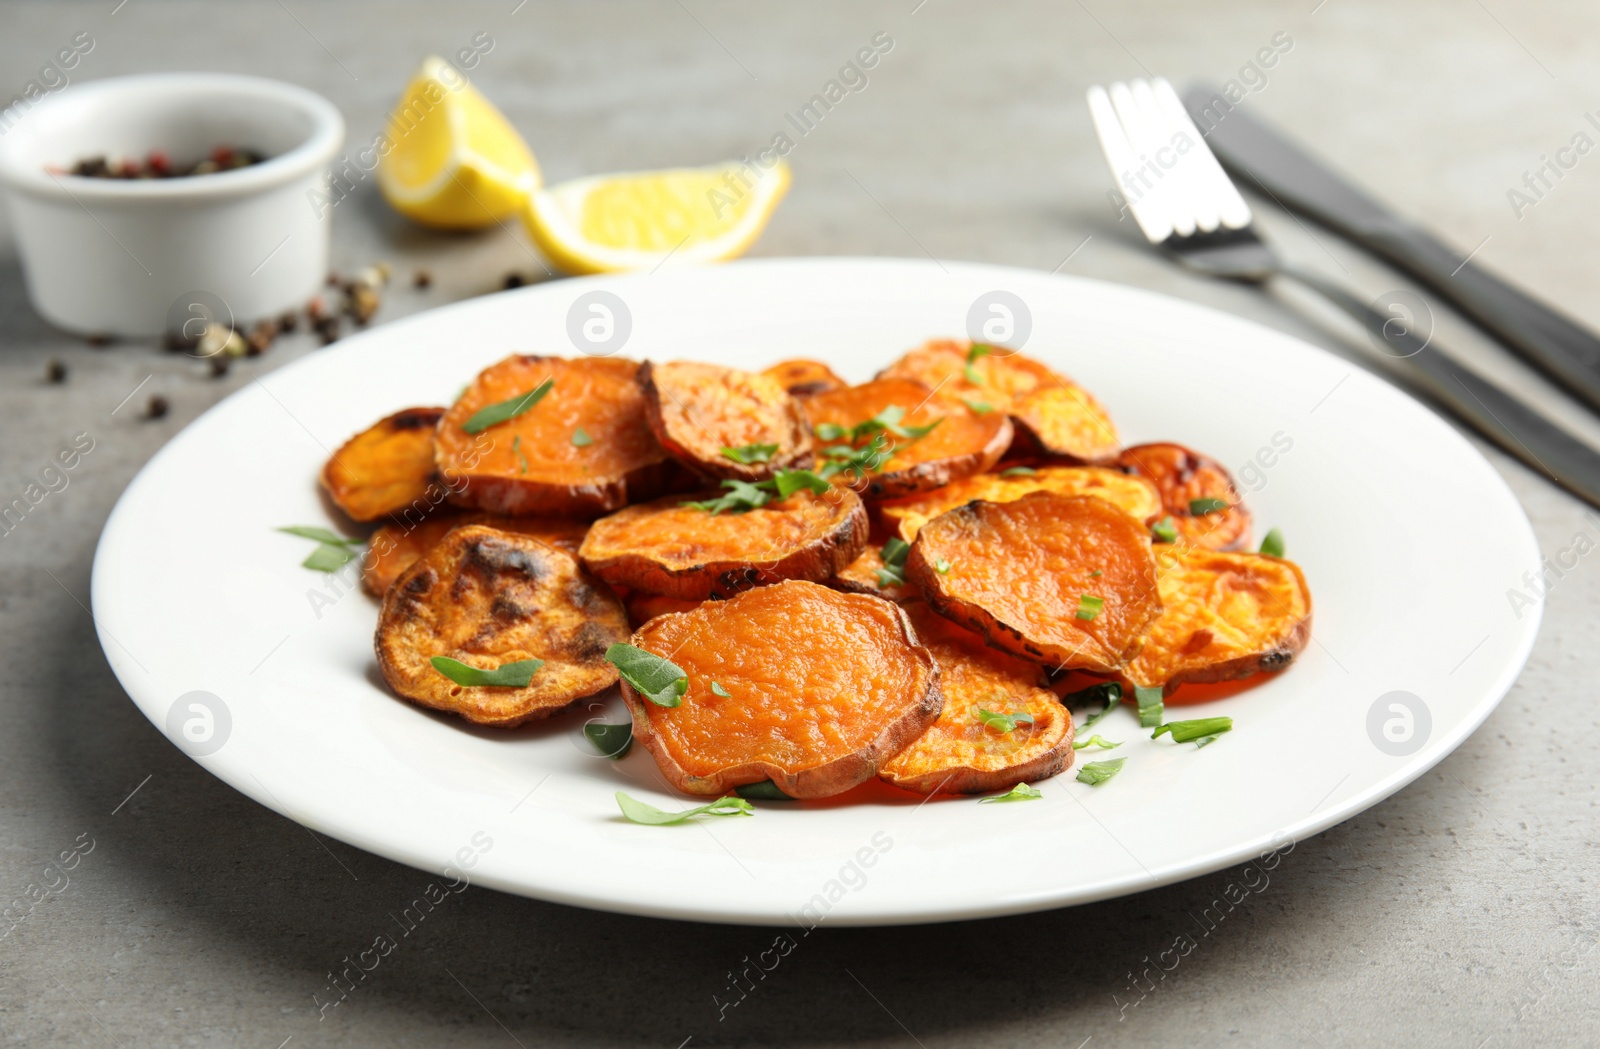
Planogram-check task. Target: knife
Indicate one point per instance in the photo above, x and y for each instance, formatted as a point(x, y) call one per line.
point(1537, 333)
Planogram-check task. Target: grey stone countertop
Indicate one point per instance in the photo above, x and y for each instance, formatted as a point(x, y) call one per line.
point(1460, 912)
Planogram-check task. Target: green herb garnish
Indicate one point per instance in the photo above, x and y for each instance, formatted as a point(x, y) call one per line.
point(1164, 530)
point(333, 550)
point(894, 562)
point(1089, 606)
point(495, 414)
point(1189, 731)
point(1272, 544)
point(1004, 723)
point(522, 460)
point(1018, 471)
point(639, 812)
point(978, 350)
point(766, 790)
point(1150, 705)
point(612, 741)
point(747, 495)
point(1097, 772)
point(981, 407)
point(1021, 792)
point(1095, 741)
point(749, 454)
point(1107, 692)
point(506, 675)
point(1097, 573)
point(1208, 505)
point(858, 461)
point(941, 566)
point(660, 681)
point(581, 438)
point(718, 690)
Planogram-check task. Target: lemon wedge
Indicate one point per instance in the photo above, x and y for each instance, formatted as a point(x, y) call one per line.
point(642, 219)
point(454, 160)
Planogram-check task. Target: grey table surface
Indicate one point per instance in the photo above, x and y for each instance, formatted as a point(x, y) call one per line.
point(1460, 912)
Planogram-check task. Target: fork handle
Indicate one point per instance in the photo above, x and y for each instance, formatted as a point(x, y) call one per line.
point(1509, 422)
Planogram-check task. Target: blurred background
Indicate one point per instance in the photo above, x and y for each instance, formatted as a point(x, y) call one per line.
point(1451, 914)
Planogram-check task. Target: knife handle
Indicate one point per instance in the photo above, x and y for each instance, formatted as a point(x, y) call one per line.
point(1539, 334)
point(1518, 429)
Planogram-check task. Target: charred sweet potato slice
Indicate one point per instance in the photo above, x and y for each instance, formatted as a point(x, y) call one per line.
point(487, 598)
point(865, 575)
point(583, 449)
point(644, 607)
point(385, 468)
point(1066, 581)
point(961, 443)
point(1224, 616)
point(1190, 483)
point(677, 549)
point(723, 422)
point(805, 378)
point(1053, 415)
point(962, 752)
point(822, 688)
point(394, 548)
point(1136, 496)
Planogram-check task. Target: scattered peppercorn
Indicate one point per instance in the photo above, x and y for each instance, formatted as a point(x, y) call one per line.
point(98, 340)
point(220, 365)
point(262, 335)
point(514, 280)
point(422, 279)
point(157, 407)
point(55, 372)
point(289, 322)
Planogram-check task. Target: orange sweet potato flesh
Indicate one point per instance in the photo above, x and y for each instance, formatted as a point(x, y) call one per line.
point(487, 597)
point(1224, 616)
point(669, 547)
point(805, 378)
point(823, 688)
point(529, 465)
point(959, 753)
point(697, 410)
point(963, 443)
point(1017, 572)
point(1182, 475)
point(1053, 415)
point(1135, 495)
point(394, 548)
point(861, 577)
point(385, 468)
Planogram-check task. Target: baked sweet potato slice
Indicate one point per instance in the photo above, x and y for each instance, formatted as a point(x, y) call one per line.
point(1224, 616)
point(385, 468)
point(1064, 580)
point(961, 443)
point(677, 549)
point(962, 752)
point(487, 598)
point(394, 548)
point(723, 422)
point(805, 378)
point(822, 688)
point(1190, 483)
point(866, 575)
point(1136, 496)
point(1053, 415)
point(582, 449)
point(644, 607)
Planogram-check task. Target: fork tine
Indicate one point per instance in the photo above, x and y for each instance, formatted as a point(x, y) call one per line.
point(1121, 158)
point(1187, 196)
point(1142, 137)
point(1231, 207)
point(1187, 182)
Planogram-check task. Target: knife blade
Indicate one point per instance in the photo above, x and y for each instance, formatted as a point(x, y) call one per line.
point(1265, 159)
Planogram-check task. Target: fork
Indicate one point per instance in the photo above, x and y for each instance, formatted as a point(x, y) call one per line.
point(1186, 205)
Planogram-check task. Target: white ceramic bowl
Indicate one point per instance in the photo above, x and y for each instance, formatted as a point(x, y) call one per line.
point(112, 256)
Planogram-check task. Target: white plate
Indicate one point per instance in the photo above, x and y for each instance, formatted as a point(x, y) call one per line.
point(1409, 538)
